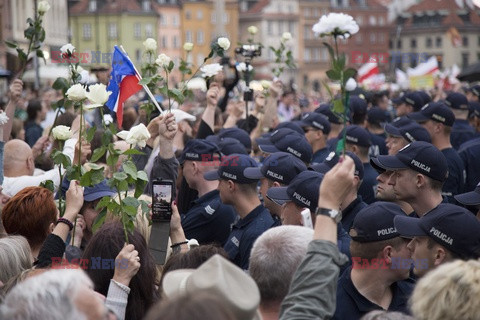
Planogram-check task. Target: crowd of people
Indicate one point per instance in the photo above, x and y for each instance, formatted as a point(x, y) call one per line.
point(270, 219)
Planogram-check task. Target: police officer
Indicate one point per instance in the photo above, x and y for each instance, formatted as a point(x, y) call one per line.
point(336, 124)
point(277, 170)
point(402, 131)
point(471, 198)
point(208, 220)
point(438, 119)
point(317, 128)
point(446, 233)
point(408, 103)
point(241, 192)
point(358, 141)
point(380, 261)
point(287, 140)
point(353, 202)
point(461, 129)
point(469, 152)
point(376, 120)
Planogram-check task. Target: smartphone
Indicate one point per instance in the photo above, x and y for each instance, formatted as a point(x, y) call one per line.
point(162, 200)
point(307, 218)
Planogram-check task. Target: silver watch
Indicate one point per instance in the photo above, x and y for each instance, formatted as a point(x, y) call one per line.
point(336, 215)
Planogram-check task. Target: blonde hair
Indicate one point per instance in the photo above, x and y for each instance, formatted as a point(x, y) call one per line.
point(450, 291)
point(15, 257)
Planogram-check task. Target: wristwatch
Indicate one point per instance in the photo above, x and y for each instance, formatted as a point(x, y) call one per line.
point(336, 215)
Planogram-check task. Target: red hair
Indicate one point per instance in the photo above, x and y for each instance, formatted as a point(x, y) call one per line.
point(29, 213)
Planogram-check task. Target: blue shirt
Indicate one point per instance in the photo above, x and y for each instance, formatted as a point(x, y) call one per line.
point(209, 220)
point(456, 175)
point(469, 152)
point(369, 185)
point(350, 212)
point(351, 305)
point(244, 233)
point(320, 155)
point(461, 133)
point(378, 147)
point(33, 132)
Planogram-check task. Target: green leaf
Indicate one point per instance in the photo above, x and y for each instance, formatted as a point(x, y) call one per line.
point(341, 61)
point(41, 36)
point(97, 175)
point(11, 44)
point(132, 152)
point(130, 169)
point(170, 66)
point(48, 184)
point(338, 106)
point(21, 54)
point(91, 133)
point(177, 95)
point(349, 73)
point(60, 158)
point(103, 203)
point(98, 153)
point(99, 220)
point(131, 201)
point(29, 32)
point(330, 50)
point(145, 81)
point(139, 187)
point(340, 146)
point(131, 211)
point(333, 75)
point(142, 175)
point(122, 185)
point(60, 84)
point(86, 179)
point(120, 176)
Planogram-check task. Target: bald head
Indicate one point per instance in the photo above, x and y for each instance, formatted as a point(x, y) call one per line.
point(18, 158)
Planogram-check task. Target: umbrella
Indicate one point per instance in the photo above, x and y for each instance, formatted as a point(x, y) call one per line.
point(470, 73)
point(48, 72)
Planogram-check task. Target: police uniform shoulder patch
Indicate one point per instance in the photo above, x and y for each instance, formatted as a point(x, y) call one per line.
point(209, 210)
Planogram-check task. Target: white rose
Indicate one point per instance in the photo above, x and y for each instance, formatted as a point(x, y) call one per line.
point(62, 133)
point(224, 43)
point(67, 49)
point(188, 46)
point(197, 84)
point(351, 84)
point(252, 30)
point(97, 95)
point(3, 118)
point(286, 36)
point(137, 136)
point(210, 70)
point(84, 77)
point(107, 119)
point(150, 45)
point(163, 60)
point(43, 6)
point(76, 92)
point(242, 67)
point(336, 24)
point(256, 86)
point(266, 84)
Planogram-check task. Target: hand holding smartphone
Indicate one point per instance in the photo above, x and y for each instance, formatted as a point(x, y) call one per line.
point(307, 218)
point(162, 200)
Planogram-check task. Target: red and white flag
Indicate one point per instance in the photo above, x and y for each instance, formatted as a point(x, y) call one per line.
point(428, 67)
point(367, 71)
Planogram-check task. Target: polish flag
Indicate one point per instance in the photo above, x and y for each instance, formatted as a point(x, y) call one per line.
point(428, 67)
point(367, 70)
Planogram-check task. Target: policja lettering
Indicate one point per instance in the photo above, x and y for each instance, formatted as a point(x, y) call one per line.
point(442, 236)
point(274, 175)
point(384, 232)
point(301, 199)
point(420, 165)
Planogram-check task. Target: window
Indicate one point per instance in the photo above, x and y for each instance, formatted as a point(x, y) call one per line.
point(175, 42)
point(465, 41)
point(428, 42)
point(213, 18)
point(200, 59)
point(291, 27)
point(390, 44)
point(175, 20)
point(199, 14)
point(381, 21)
point(148, 30)
point(372, 20)
point(112, 30)
point(465, 59)
point(163, 20)
point(188, 15)
point(269, 55)
point(306, 12)
point(359, 38)
point(306, 32)
point(138, 55)
point(137, 30)
point(146, 5)
point(361, 3)
point(316, 54)
point(399, 44)
point(325, 56)
point(306, 54)
point(200, 37)
point(87, 31)
point(438, 42)
point(270, 28)
point(188, 36)
point(373, 38)
point(164, 42)
point(92, 5)
point(226, 18)
point(280, 27)
point(359, 20)
point(381, 38)
point(413, 43)
point(316, 12)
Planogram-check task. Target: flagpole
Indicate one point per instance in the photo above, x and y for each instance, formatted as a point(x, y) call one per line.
point(139, 77)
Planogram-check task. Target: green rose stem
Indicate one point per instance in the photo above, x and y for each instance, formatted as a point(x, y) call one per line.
point(347, 96)
point(123, 216)
point(168, 94)
point(60, 198)
point(79, 159)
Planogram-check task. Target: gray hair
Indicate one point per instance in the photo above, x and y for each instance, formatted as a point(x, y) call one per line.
point(50, 295)
point(15, 257)
point(275, 257)
point(386, 315)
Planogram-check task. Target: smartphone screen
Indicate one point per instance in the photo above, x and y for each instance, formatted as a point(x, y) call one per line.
point(162, 200)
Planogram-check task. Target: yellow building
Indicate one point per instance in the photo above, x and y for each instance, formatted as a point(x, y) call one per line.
point(204, 21)
point(97, 26)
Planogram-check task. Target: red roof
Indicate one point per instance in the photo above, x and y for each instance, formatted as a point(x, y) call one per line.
point(109, 7)
point(258, 7)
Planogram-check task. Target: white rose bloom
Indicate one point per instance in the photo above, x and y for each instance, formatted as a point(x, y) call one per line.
point(336, 23)
point(98, 95)
point(210, 70)
point(252, 30)
point(84, 77)
point(249, 47)
point(3, 118)
point(197, 84)
point(137, 136)
point(76, 92)
point(266, 84)
point(150, 45)
point(43, 6)
point(67, 49)
point(351, 84)
point(224, 43)
point(107, 119)
point(163, 60)
point(188, 46)
point(286, 36)
point(256, 86)
point(242, 67)
point(62, 133)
